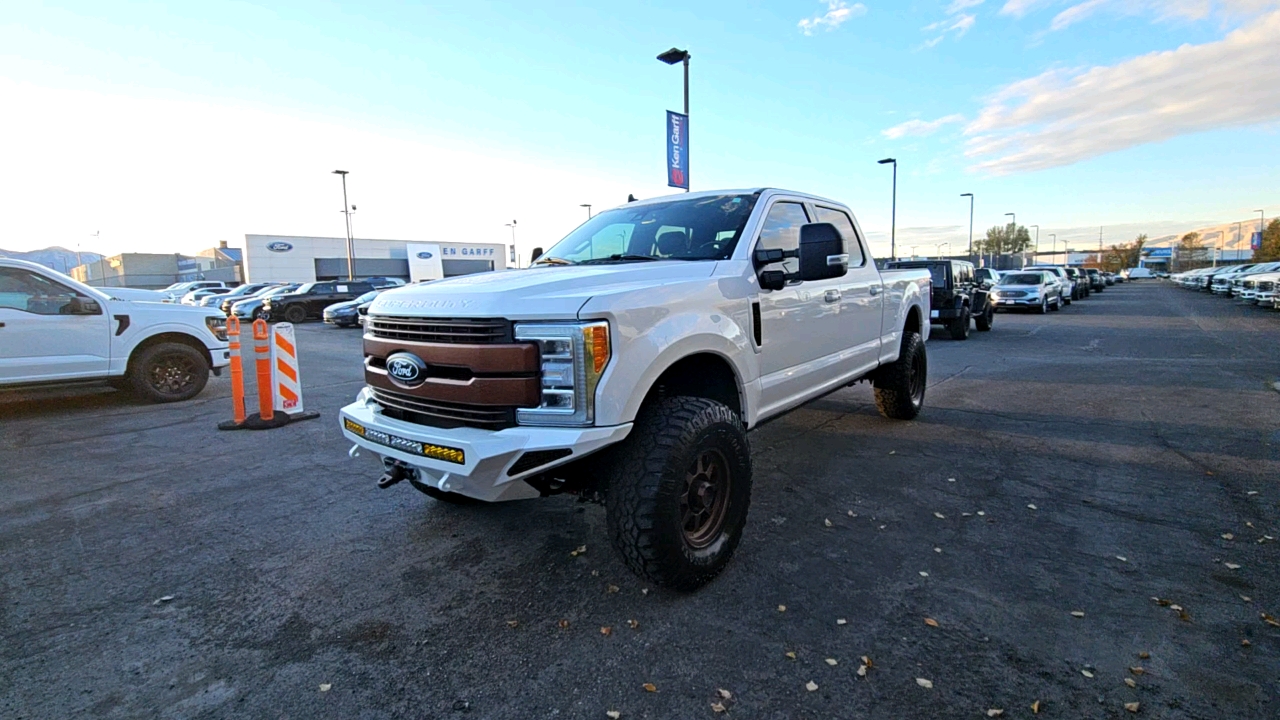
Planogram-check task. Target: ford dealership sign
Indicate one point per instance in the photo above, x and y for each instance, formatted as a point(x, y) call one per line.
point(279, 246)
point(425, 255)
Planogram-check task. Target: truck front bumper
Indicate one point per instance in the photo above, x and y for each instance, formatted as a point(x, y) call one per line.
point(471, 461)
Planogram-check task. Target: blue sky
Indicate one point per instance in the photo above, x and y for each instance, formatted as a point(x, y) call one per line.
point(168, 126)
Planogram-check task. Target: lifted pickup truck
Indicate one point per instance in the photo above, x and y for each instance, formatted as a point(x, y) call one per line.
point(629, 363)
point(56, 331)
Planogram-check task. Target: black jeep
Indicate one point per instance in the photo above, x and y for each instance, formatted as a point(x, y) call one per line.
point(957, 295)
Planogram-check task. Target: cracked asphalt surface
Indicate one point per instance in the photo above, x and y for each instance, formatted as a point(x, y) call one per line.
point(1085, 461)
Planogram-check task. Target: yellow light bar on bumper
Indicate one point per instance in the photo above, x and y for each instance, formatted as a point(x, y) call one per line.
point(435, 452)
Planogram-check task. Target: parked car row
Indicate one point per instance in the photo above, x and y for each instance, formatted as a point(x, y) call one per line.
point(1251, 283)
point(963, 295)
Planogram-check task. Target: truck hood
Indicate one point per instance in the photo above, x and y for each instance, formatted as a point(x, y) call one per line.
point(547, 292)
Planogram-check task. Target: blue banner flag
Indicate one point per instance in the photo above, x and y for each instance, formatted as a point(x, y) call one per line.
point(677, 150)
point(1255, 242)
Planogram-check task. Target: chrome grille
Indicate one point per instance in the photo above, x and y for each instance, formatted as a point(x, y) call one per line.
point(439, 330)
point(440, 414)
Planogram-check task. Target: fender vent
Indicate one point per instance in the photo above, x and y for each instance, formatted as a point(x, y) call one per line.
point(537, 458)
point(755, 323)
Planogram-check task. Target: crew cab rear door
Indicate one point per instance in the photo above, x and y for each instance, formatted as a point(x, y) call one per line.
point(861, 296)
point(39, 338)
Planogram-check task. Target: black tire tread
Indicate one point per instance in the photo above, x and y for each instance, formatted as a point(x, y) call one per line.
point(893, 382)
point(136, 377)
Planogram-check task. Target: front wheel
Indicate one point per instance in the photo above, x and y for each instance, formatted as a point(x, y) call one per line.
point(678, 491)
point(1057, 304)
point(168, 372)
point(899, 386)
point(295, 314)
point(1044, 306)
point(983, 321)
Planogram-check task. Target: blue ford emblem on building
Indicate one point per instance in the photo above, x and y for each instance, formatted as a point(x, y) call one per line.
point(279, 246)
point(406, 369)
point(425, 255)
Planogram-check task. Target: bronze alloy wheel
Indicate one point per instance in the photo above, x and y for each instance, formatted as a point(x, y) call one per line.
point(706, 498)
point(172, 373)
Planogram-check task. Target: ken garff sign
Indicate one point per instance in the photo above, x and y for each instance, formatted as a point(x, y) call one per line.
point(677, 150)
point(1255, 241)
point(279, 246)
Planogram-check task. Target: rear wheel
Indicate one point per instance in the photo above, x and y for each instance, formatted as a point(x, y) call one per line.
point(168, 372)
point(983, 321)
point(960, 326)
point(900, 385)
point(295, 314)
point(1057, 304)
point(678, 491)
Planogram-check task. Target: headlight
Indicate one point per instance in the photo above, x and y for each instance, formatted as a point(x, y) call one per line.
point(218, 326)
point(574, 357)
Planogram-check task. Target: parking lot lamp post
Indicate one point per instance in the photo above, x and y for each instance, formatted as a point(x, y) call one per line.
point(588, 207)
point(1013, 233)
point(938, 248)
point(1035, 250)
point(1053, 245)
point(514, 257)
point(893, 212)
point(671, 57)
point(970, 196)
point(1262, 223)
point(346, 210)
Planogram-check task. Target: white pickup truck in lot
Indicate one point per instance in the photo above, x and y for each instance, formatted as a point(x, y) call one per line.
point(629, 363)
point(56, 331)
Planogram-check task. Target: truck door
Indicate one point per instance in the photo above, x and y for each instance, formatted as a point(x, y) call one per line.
point(800, 324)
point(40, 339)
point(861, 296)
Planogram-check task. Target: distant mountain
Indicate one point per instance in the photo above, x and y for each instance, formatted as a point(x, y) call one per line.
point(56, 258)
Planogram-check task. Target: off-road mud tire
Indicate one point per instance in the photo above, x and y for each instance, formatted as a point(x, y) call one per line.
point(900, 385)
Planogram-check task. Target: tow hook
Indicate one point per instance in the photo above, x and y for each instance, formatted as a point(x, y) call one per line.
point(395, 472)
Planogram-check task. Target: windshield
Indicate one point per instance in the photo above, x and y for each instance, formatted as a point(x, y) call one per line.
point(704, 228)
point(1022, 279)
point(367, 297)
point(303, 289)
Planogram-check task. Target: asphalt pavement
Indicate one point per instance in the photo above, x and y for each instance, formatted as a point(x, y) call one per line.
point(1078, 520)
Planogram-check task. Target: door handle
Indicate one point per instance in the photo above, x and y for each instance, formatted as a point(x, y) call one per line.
point(831, 296)
point(875, 289)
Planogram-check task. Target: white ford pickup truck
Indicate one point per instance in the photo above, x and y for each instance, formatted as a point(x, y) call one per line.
point(629, 362)
point(56, 331)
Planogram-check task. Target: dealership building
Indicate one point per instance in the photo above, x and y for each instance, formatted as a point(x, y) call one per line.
point(290, 258)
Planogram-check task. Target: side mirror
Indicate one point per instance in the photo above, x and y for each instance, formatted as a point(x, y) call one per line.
point(537, 253)
point(773, 280)
point(822, 254)
point(83, 306)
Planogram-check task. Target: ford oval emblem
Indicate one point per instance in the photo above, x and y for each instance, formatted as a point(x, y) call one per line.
point(279, 246)
point(406, 369)
point(425, 255)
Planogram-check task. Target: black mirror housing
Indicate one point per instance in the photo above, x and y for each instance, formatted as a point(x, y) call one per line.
point(822, 254)
point(773, 280)
point(83, 306)
point(537, 253)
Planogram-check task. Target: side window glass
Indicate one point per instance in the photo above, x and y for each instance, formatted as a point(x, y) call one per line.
point(852, 244)
point(29, 292)
point(322, 289)
point(781, 231)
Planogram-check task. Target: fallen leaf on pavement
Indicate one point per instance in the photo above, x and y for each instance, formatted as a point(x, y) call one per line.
point(951, 479)
point(937, 550)
point(893, 452)
point(1245, 642)
point(931, 622)
point(1252, 492)
point(1086, 673)
point(1132, 707)
point(1122, 558)
point(1144, 654)
point(633, 624)
point(1162, 602)
point(611, 589)
point(1270, 620)
point(862, 671)
point(826, 522)
point(995, 712)
point(926, 684)
point(811, 686)
point(513, 623)
point(1176, 608)
point(842, 621)
point(324, 687)
point(1184, 616)
point(724, 693)
point(1077, 613)
point(563, 624)
point(924, 574)
point(717, 707)
point(650, 687)
point(581, 549)
point(853, 514)
point(1231, 566)
point(613, 715)
point(1033, 507)
point(1035, 707)
point(791, 654)
point(981, 513)
point(1137, 670)
point(644, 591)
point(164, 599)
point(606, 630)
point(782, 608)
point(866, 661)
point(1228, 536)
point(1130, 682)
point(940, 516)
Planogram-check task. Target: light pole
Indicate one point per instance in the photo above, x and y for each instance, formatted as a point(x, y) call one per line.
point(970, 196)
point(346, 210)
point(588, 207)
point(514, 259)
point(1035, 251)
point(938, 248)
point(1262, 226)
point(1014, 232)
point(1053, 247)
point(671, 57)
point(893, 216)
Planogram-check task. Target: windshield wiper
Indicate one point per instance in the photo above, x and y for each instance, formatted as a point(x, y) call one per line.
point(548, 260)
point(621, 258)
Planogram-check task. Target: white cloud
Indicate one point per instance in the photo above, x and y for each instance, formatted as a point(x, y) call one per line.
point(1078, 11)
point(1018, 8)
point(920, 128)
point(958, 5)
point(1061, 117)
point(838, 13)
point(957, 22)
